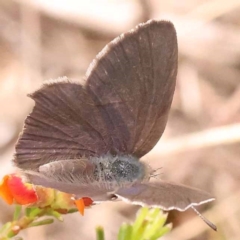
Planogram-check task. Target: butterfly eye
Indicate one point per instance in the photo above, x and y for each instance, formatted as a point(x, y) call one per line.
point(113, 197)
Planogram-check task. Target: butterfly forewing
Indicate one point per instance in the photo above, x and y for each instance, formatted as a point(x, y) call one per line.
point(133, 80)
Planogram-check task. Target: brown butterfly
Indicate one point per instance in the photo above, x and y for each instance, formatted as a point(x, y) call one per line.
point(87, 139)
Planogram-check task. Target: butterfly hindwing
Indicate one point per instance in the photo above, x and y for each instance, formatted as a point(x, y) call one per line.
point(165, 195)
point(65, 123)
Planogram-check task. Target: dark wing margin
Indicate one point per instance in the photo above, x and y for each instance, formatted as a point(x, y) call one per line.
point(165, 195)
point(132, 80)
point(64, 123)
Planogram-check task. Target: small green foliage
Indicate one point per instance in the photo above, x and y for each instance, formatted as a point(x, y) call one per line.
point(30, 218)
point(100, 233)
point(40, 223)
point(17, 212)
point(149, 225)
point(55, 214)
point(32, 212)
point(125, 231)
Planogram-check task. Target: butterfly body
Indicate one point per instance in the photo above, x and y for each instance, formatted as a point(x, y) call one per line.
point(103, 175)
point(120, 170)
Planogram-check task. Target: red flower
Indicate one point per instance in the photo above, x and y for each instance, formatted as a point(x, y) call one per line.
point(14, 190)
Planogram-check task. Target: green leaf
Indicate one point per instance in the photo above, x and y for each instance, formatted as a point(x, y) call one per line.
point(12, 233)
point(5, 227)
point(141, 215)
point(40, 223)
point(17, 212)
point(156, 220)
point(55, 214)
point(125, 232)
point(72, 210)
point(149, 225)
point(32, 212)
point(100, 233)
point(162, 231)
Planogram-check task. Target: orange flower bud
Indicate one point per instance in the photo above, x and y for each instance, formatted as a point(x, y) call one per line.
point(82, 203)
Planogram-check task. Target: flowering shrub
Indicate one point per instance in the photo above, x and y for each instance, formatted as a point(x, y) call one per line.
point(40, 201)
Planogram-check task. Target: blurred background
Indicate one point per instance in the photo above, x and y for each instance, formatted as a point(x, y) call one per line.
point(41, 40)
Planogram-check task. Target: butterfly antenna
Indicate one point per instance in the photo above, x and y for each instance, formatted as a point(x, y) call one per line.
point(210, 224)
point(155, 170)
point(154, 173)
